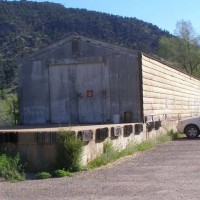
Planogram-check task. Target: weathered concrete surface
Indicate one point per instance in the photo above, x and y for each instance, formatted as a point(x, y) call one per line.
point(170, 171)
point(37, 144)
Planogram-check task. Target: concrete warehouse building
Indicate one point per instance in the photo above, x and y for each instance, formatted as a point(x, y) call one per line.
point(84, 81)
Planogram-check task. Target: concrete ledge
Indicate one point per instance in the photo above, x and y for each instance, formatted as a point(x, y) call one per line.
point(37, 145)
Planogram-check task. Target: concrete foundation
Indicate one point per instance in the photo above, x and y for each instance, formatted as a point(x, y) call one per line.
point(37, 145)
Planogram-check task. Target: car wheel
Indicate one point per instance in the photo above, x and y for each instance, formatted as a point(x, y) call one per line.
point(192, 131)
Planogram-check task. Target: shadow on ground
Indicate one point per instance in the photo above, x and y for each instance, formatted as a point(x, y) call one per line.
point(186, 139)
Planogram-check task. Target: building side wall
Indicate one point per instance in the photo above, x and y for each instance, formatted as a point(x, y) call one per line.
point(124, 86)
point(167, 92)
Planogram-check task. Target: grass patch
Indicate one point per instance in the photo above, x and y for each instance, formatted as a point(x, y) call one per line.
point(43, 175)
point(61, 173)
point(145, 145)
point(10, 168)
point(173, 134)
point(111, 154)
point(108, 147)
point(56, 173)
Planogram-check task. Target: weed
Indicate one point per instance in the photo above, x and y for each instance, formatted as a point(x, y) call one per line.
point(145, 145)
point(62, 173)
point(10, 168)
point(43, 175)
point(9, 110)
point(173, 135)
point(2, 94)
point(69, 150)
point(163, 138)
point(107, 147)
point(110, 154)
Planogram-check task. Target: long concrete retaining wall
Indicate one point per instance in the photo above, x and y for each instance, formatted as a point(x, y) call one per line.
point(37, 146)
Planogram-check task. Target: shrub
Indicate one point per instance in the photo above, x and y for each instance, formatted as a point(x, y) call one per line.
point(174, 135)
point(9, 110)
point(69, 150)
point(61, 173)
point(10, 168)
point(2, 94)
point(13, 111)
point(43, 175)
point(107, 147)
point(110, 154)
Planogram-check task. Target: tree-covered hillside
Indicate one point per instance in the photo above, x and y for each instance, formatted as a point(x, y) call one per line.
point(28, 26)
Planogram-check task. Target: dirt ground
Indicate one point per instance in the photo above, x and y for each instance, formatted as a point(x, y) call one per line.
point(169, 171)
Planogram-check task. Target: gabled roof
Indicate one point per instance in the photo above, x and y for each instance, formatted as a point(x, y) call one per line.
point(81, 38)
point(163, 61)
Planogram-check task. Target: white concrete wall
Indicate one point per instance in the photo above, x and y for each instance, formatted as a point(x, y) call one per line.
point(167, 92)
point(93, 149)
point(41, 154)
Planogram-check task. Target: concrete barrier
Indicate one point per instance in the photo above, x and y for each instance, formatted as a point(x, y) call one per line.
point(37, 146)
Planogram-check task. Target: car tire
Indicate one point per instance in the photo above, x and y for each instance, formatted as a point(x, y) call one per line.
point(191, 131)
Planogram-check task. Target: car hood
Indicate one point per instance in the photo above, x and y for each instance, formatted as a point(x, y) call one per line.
point(190, 119)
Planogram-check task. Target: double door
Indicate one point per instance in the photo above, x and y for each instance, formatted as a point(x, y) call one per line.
point(76, 93)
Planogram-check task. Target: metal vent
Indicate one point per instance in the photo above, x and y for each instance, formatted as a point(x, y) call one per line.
point(116, 132)
point(46, 137)
point(8, 137)
point(75, 47)
point(157, 124)
point(138, 128)
point(128, 129)
point(101, 134)
point(150, 126)
point(86, 135)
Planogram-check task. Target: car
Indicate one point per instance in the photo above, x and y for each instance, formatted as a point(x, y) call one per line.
point(189, 126)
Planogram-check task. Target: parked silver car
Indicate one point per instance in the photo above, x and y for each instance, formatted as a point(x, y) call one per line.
point(189, 126)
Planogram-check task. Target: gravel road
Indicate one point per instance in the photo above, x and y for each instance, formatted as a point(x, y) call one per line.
point(169, 171)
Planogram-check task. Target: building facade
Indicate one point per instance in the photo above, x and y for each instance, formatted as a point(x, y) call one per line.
point(83, 81)
point(80, 81)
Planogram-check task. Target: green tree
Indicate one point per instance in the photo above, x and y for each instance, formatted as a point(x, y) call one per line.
point(183, 50)
point(14, 109)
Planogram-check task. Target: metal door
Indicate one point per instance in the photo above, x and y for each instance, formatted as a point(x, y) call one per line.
point(90, 93)
point(59, 94)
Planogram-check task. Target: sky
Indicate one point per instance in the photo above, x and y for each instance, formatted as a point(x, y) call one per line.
point(163, 13)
